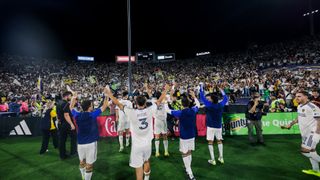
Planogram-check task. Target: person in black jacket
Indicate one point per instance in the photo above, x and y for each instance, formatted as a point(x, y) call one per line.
point(48, 127)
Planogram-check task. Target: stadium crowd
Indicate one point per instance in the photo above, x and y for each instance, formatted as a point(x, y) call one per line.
point(276, 71)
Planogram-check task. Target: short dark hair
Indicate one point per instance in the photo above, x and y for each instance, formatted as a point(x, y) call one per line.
point(214, 98)
point(185, 101)
point(67, 93)
point(125, 93)
point(157, 94)
point(315, 90)
point(86, 105)
point(141, 100)
point(303, 92)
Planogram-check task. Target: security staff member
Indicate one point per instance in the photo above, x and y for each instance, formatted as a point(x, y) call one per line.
point(66, 126)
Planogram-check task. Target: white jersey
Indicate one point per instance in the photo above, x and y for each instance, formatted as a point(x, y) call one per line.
point(306, 118)
point(161, 113)
point(141, 125)
point(122, 115)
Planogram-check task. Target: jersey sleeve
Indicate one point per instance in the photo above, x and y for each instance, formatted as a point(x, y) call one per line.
point(176, 114)
point(316, 112)
point(96, 113)
point(75, 113)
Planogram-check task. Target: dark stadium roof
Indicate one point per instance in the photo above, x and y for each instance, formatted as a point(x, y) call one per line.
point(66, 28)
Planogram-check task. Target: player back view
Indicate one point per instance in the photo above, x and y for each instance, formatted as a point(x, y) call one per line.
point(141, 132)
point(123, 122)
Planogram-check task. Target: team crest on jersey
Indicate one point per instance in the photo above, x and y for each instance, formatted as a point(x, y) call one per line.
point(303, 110)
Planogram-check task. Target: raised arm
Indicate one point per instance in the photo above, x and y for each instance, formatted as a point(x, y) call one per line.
point(195, 98)
point(148, 90)
point(73, 100)
point(163, 95)
point(203, 98)
point(225, 97)
point(105, 102)
point(115, 100)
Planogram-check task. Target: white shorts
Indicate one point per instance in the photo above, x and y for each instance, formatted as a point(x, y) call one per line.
point(88, 152)
point(214, 132)
point(139, 155)
point(308, 143)
point(123, 125)
point(186, 145)
point(160, 127)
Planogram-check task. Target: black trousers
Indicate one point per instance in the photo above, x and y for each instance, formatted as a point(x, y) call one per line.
point(64, 131)
point(45, 140)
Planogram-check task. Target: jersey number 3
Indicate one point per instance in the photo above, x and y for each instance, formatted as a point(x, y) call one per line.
point(144, 123)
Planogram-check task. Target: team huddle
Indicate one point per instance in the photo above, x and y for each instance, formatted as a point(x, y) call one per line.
point(138, 122)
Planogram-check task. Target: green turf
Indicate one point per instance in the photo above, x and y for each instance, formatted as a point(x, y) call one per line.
point(280, 159)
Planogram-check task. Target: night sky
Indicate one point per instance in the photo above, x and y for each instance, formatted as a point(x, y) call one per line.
point(67, 28)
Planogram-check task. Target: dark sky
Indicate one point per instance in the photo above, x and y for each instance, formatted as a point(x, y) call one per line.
point(66, 28)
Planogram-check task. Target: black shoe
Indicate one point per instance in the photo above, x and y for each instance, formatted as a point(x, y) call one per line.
point(74, 154)
point(64, 157)
point(262, 144)
point(253, 144)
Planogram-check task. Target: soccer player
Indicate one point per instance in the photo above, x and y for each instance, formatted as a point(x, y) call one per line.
point(123, 122)
point(187, 126)
point(309, 124)
point(88, 134)
point(214, 110)
point(141, 132)
point(160, 119)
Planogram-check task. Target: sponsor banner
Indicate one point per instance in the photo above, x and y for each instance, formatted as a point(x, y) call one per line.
point(236, 124)
point(20, 126)
point(107, 126)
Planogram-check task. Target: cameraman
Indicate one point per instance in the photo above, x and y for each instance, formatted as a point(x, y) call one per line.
point(256, 109)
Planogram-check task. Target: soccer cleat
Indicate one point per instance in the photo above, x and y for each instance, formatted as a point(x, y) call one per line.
point(191, 177)
point(220, 159)
point(157, 154)
point(213, 162)
point(121, 149)
point(312, 172)
point(166, 154)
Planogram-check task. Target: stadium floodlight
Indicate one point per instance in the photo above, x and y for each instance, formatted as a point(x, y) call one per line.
point(304, 14)
point(316, 11)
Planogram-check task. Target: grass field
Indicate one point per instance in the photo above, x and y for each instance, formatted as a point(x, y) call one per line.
point(280, 159)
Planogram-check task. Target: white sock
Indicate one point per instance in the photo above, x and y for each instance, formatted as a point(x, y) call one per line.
point(315, 156)
point(210, 146)
point(147, 175)
point(127, 139)
point(165, 144)
point(187, 164)
point(220, 147)
point(315, 164)
point(156, 143)
point(83, 172)
point(88, 176)
point(306, 155)
point(121, 140)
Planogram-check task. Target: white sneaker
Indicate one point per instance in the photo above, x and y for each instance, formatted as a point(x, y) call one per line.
point(220, 159)
point(127, 144)
point(213, 162)
point(121, 149)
